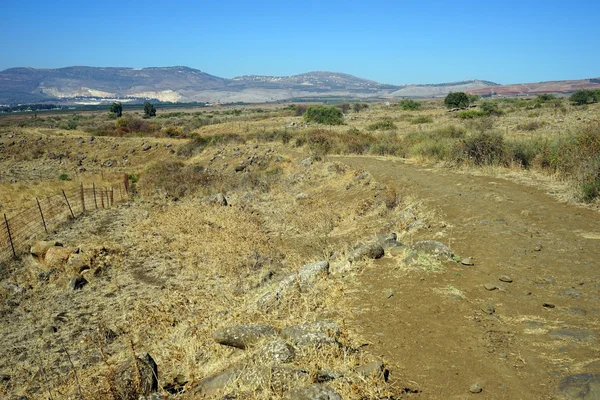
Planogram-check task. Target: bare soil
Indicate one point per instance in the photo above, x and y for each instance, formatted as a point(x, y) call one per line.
point(432, 326)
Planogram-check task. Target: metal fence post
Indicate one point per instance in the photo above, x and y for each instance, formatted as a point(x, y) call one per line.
point(68, 205)
point(42, 214)
point(94, 189)
point(82, 194)
point(12, 246)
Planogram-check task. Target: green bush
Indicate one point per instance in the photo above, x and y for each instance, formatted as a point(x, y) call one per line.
point(409, 105)
point(457, 100)
point(324, 115)
point(485, 148)
point(64, 177)
point(491, 108)
point(583, 96)
point(383, 125)
point(423, 119)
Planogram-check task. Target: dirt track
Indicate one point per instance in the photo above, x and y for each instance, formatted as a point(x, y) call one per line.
point(433, 330)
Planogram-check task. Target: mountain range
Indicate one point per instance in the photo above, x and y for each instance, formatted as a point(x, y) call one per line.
point(96, 85)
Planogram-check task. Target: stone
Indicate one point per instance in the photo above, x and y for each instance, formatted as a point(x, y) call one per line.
point(277, 351)
point(467, 261)
point(218, 199)
point(368, 250)
point(505, 278)
point(548, 305)
point(127, 375)
point(243, 336)
point(50, 329)
point(433, 248)
point(488, 308)
point(375, 369)
point(77, 283)
point(537, 247)
point(313, 334)
point(307, 162)
point(57, 256)
point(475, 388)
point(490, 286)
point(574, 334)
point(146, 147)
point(316, 391)
point(40, 247)
point(571, 292)
point(581, 386)
point(79, 262)
point(218, 381)
point(388, 293)
point(275, 377)
point(302, 196)
point(240, 168)
point(309, 273)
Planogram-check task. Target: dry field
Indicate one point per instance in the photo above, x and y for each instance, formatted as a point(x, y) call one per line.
point(295, 288)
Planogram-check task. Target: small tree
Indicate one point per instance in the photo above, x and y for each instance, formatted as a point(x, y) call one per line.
point(117, 109)
point(344, 107)
point(583, 96)
point(357, 107)
point(149, 110)
point(457, 100)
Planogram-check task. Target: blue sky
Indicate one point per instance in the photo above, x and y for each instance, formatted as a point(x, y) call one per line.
point(394, 42)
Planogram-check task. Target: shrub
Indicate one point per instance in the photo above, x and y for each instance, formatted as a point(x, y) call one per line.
point(344, 107)
point(545, 97)
point(470, 114)
point(485, 148)
point(64, 177)
point(409, 105)
point(358, 107)
point(583, 96)
point(177, 179)
point(530, 126)
point(324, 115)
point(423, 119)
point(383, 125)
point(491, 108)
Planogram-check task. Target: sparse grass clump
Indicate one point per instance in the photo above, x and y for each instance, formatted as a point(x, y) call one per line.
point(383, 125)
point(424, 119)
point(409, 105)
point(470, 114)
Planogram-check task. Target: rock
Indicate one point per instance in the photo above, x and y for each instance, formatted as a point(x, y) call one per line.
point(40, 247)
point(574, 334)
point(146, 147)
point(274, 377)
point(397, 251)
point(433, 248)
point(307, 162)
point(505, 278)
point(217, 199)
point(490, 286)
point(277, 351)
point(309, 273)
point(50, 329)
point(243, 336)
point(375, 369)
point(280, 290)
point(388, 293)
point(327, 375)
point(475, 388)
point(538, 247)
point(571, 292)
point(240, 168)
point(302, 196)
point(467, 261)
point(57, 256)
point(77, 283)
point(217, 382)
point(368, 250)
point(312, 334)
point(44, 276)
point(581, 386)
point(79, 262)
point(387, 241)
point(488, 308)
point(548, 305)
point(127, 377)
point(316, 391)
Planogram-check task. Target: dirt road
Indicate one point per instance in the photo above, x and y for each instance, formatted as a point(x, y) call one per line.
point(436, 329)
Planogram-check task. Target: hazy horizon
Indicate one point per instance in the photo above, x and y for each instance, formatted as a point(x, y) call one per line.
point(430, 42)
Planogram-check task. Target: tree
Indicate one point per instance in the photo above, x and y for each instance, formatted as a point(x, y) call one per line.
point(117, 109)
point(583, 96)
point(357, 107)
point(149, 110)
point(457, 100)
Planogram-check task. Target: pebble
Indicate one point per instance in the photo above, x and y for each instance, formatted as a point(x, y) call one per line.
point(475, 388)
point(488, 308)
point(505, 278)
point(538, 247)
point(389, 293)
point(548, 305)
point(490, 286)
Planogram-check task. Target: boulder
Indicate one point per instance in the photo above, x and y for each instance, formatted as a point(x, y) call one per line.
point(142, 373)
point(316, 391)
point(368, 250)
point(433, 248)
point(276, 351)
point(243, 336)
point(375, 369)
point(217, 199)
point(313, 334)
point(77, 283)
point(79, 262)
point(581, 386)
point(40, 247)
point(309, 273)
point(57, 256)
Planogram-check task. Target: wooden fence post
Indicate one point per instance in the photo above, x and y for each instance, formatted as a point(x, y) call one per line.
point(82, 194)
point(112, 196)
point(126, 184)
point(12, 246)
point(94, 189)
point(102, 197)
point(68, 205)
point(42, 214)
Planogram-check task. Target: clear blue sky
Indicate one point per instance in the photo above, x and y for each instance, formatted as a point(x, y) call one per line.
point(511, 41)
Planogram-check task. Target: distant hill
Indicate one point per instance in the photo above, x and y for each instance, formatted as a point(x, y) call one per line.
point(538, 88)
point(183, 84)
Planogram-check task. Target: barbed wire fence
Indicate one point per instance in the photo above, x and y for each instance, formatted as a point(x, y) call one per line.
point(18, 231)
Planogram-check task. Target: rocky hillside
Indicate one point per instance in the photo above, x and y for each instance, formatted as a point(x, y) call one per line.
point(538, 88)
point(93, 85)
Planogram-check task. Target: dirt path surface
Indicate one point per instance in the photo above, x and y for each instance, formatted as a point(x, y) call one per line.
point(540, 340)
